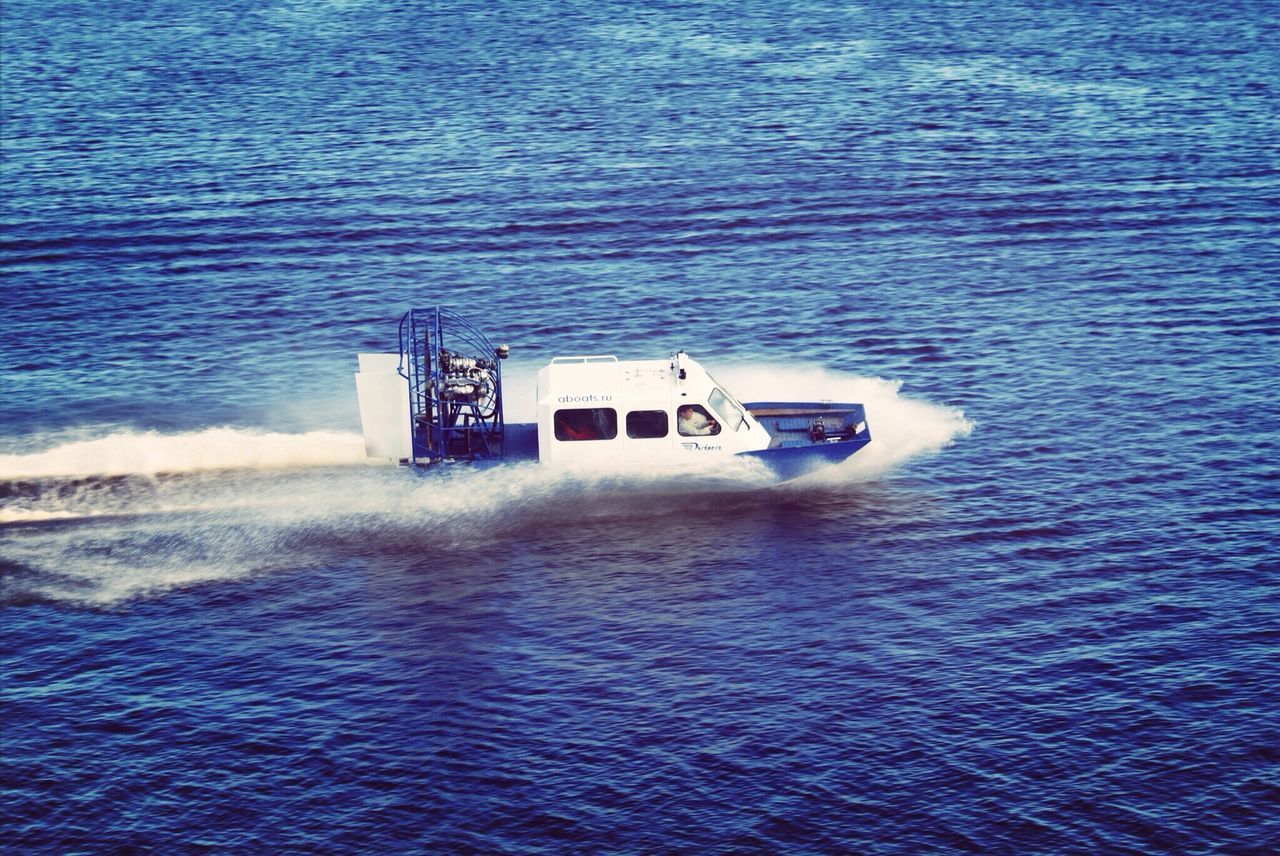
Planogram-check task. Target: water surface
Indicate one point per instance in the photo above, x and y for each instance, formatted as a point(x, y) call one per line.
point(1038, 614)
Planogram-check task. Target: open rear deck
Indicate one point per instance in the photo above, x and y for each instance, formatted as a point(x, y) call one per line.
point(790, 424)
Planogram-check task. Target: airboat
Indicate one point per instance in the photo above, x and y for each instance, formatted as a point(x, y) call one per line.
point(439, 400)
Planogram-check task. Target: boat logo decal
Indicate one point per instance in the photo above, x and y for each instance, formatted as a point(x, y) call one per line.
point(583, 399)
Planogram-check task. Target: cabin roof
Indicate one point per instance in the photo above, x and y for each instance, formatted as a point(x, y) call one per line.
point(609, 374)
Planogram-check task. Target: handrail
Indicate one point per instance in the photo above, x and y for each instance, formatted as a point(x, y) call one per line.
point(587, 358)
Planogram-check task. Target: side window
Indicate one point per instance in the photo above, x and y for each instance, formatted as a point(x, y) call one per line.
point(586, 423)
point(693, 420)
point(647, 424)
point(729, 412)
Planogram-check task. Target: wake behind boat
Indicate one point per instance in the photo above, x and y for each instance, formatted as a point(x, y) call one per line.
point(440, 399)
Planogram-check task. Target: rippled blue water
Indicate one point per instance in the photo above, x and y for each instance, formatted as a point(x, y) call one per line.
point(1038, 614)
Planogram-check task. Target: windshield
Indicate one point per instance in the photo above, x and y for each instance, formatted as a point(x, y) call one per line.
point(727, 409)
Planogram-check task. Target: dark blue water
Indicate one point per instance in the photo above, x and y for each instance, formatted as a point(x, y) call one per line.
point(1039, 614)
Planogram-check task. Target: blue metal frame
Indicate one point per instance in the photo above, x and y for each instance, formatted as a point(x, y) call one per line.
point(455, 388)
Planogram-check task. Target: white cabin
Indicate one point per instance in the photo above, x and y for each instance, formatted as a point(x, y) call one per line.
point(599, 410)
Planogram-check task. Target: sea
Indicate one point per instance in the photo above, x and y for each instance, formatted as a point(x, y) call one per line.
point(1038, 614)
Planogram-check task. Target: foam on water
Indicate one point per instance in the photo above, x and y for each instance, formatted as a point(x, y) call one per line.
point(133, 513)
point(122, 452)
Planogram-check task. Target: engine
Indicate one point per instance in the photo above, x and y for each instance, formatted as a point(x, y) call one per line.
point(466, 378)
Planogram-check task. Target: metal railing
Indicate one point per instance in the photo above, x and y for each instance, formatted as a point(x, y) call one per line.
point(455, 387)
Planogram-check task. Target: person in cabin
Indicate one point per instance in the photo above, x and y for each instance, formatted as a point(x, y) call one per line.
point(693, 421)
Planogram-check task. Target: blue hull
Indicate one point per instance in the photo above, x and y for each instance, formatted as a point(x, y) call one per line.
point(790, 462)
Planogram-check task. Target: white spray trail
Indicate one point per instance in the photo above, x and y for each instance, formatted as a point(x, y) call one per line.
point(151, 452)
point(132, 513)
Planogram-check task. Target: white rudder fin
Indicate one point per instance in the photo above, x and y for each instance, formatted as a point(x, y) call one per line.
point(384, 407)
